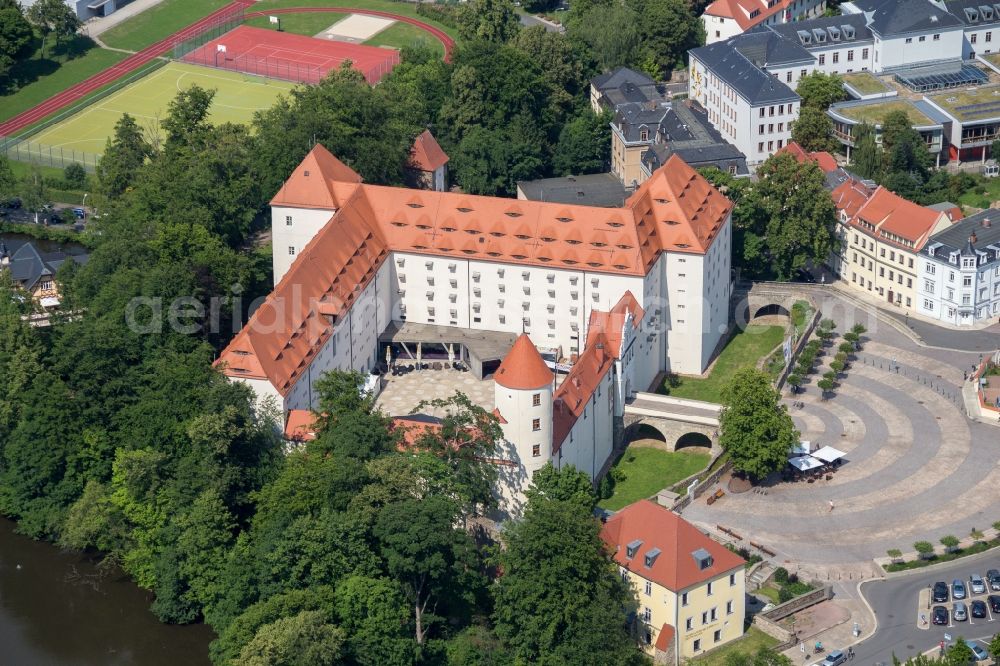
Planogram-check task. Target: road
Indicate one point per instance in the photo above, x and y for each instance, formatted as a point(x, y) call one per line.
point(895, 604)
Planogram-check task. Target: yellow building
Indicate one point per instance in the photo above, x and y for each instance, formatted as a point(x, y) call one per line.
point(690, 588)
point(880, 244)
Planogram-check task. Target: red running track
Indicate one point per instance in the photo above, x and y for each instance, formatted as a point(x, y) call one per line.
point(133, 62)
point(130, 64)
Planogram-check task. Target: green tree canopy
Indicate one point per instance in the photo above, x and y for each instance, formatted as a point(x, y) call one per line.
point(866, 158)
point(16, 35)
point(755, 429)
point(813, 130)
point(305, 639)
point(53, 17)
point(124, 154)
point(584, 145)
point(488, 20)
point(819, 90)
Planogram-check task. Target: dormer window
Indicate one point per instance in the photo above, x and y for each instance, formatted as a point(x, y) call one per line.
point(651, 556)
point(565, 219)
point(632, 548)
point(644, 134)
point(462, 209)
point(703, 559)
point(414, 204)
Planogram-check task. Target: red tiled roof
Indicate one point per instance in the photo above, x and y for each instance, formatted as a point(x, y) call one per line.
point(611, 324)
point(675, 210)
point(573, 395)
point(411, 429)
point(824, 160)
point(850, 196)
point(675, 568)
point(426, 154)
point(893, 214)
point(300, 426)
point(523, 369)
point(665, 638)
point(740, 10)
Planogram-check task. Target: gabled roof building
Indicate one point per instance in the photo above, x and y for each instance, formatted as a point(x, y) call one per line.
point(358, 267)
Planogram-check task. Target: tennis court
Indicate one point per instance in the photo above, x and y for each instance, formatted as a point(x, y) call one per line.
point(237, 97)
point(291, 57)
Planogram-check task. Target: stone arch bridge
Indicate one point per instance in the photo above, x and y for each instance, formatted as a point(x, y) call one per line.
point(772, 298)
point(679, 421)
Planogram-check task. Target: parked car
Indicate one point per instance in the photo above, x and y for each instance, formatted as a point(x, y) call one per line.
point(994, 602)
point(976, 584)
point(79, 213)
point(940, 592)
point(939, 615)
point(980, 653)
point(960, 613)
point(993, 577)
point(834, 658)
point(957, 589)
point(978, 608)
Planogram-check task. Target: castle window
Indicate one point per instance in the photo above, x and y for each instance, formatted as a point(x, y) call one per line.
point(536, 450)
point(536, 400)
point(536, 424)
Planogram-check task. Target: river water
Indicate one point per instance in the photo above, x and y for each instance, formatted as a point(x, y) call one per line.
point(60, 609)
point(14, 241)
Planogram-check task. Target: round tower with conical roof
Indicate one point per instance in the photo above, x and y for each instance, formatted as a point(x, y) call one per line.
point(523, 395)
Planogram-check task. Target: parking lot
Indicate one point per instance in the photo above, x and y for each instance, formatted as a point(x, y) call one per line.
point(960, 602)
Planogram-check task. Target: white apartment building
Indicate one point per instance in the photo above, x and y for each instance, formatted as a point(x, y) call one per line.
point(352, 259)
point(959, 272)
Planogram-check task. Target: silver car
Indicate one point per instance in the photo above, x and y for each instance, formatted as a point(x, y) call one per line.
point(957, 589)
point(976, 584)
point(960, 613)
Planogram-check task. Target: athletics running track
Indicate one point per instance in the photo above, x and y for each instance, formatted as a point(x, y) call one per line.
point(133, 62)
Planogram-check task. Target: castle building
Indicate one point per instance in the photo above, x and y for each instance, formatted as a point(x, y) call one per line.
point(619, 294)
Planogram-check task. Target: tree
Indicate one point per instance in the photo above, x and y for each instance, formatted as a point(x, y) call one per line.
point(995, 648)
point(376, 617)
point(959, 654)
point(756, 429)
point(75, 175)
point(435, 564)
point(584, 145)
point(668, 29)
point(995, 149)
point(866, 158)
point(560, 599)
point(825, 385)
point(847, 347)
point(924, 549)
point(795, 381)
point(819, 90)
point(53, 17)
point(124, 154)
point(488, 20)
point(33, 192)
point(305, 639)
point(187, 116)
point(8, 181)
point(15, 35)
point(477, 645)
point(609, 31)
point(894, 554)
point(813, 130)
point(567, 484)
point(786, 219)
point(950, 543)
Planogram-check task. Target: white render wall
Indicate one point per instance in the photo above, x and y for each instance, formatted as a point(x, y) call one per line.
point(897, 52)
point(940, 290)
point(305, 224)
point(719, 28)
point(591, 440)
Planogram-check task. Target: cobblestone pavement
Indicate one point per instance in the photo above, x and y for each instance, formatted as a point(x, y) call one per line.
point(916, 468)
point(402, 394)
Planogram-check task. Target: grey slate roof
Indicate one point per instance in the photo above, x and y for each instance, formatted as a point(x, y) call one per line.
point(618, 77)
point(736, 70)
point(624, 86)
point(599, 189)
point(898, 17)
point(631, 119)
point(977, 17)
point(856, 21)
point(957, 237)
point(28, 266)
point(766, 48)
point(688, 134)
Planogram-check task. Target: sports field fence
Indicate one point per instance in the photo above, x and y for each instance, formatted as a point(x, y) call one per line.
point(22, 150)
point(213, 31)
point(278, 68)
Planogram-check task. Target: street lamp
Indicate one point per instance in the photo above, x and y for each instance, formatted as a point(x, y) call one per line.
point(84, 205)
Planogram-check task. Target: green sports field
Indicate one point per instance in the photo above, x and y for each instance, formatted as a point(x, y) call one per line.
point(237, 97)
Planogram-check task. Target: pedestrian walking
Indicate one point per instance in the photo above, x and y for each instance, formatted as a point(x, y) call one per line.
point(850, 653)
point(831, 505)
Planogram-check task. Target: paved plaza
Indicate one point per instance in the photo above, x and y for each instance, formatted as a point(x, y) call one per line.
point(403, 393)
point(916, 468)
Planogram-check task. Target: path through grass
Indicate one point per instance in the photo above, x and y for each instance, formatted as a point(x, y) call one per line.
point(647, 470)
point(744, 349)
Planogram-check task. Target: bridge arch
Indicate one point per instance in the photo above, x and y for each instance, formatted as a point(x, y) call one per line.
point(693, 438)
point(771, 309)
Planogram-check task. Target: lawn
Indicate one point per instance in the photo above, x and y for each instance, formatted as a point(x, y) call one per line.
point(74, 197)
point(237, 97)
point(954, 100)
point(986, 191)
point(301, 24)
point(398, 35)
point(400, 8)
point(57, 77)
point(876, 113)
point(744, 349)
point(864, 83)
point(752, 640)
point(647, 470)
point(156, 23)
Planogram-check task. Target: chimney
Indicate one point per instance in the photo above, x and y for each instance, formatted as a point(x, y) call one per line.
point(972, 238)
point(986, 223)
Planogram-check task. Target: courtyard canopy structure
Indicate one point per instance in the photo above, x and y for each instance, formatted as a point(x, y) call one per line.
point(480, 350)
point(828, 454)
point(804, 463)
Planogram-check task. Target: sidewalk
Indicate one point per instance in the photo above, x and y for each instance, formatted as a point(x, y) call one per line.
point(95, 26)
point(839, 636)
